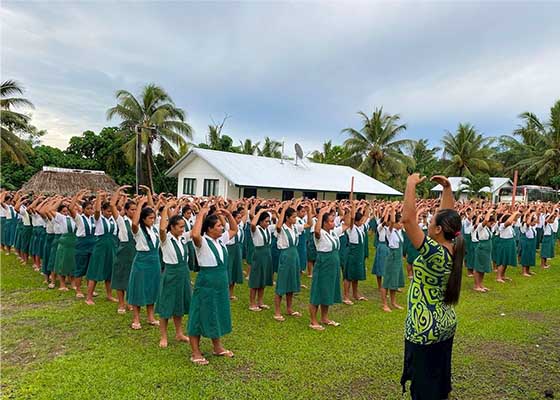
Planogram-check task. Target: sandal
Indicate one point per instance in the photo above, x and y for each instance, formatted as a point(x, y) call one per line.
point(296, 314)
point(136, 326)
point(348, 302)
point(199, 361)
point(51, 286)
point(279, 318)
point(255, 308)
point(153, 323)
point(332, 323)
point(80, 295)
point(121, 311)
point(224, 353)
point(362, 298)
point(317, 327)
point(264, 307)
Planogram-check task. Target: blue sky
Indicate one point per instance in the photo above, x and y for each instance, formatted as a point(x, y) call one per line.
point(298, 71)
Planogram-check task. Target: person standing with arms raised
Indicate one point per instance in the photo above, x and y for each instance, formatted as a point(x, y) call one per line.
point(431, 321)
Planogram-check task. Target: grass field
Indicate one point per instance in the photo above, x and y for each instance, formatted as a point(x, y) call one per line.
point(54, 347)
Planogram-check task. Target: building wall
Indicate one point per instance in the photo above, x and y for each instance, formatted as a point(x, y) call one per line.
point(201, 170)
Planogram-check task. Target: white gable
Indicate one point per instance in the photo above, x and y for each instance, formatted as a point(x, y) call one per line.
point(254, 171)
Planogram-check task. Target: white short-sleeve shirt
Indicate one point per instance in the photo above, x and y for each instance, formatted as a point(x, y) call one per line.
point(140, 239)
point(257, 236)
point(355, 233)
point(482, 233)
point(394, 238)
point(60, 223)
point(99, 225)
point(168, 250)
point(328, 241)
point(80, 226)
point(294, 232)
point(506, 232)
point(529, 231)
point(123, 233)
point(37, 220)
point(204, 254)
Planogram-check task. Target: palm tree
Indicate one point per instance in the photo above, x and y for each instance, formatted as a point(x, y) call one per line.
point(248, 147)
point(330, 154)
point(425, 161)
point(468, 150)
point(158, 120)
point(541, 143)
point(271, 148)
point(374, 144)
point(12, 122)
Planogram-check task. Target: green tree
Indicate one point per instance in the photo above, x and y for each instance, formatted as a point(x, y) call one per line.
point(271, 148)
point(13, 122)
point(248, 147)
point(331, 154)
point(159, 121)
point(376, 145)
point(476, 182)
point(469, 152)
point(538, 153)
point(216, 140)
point(425, 161)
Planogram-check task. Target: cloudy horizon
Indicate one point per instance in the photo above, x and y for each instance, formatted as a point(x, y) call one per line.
point(299, 71)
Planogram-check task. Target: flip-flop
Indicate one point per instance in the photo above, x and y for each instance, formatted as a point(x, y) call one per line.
point(295, 314)
point(199, 361)
point(51, 286)
point(136, 326)
point(121, 311)
point(362, 298)
point(303, 286)
point(224, 353)
point(279, 318)
point(332, 323)
point(317, 327)
point(153, 323)
point(348, 302)
point(264, 307)
point(80, 295)
point(256, 309)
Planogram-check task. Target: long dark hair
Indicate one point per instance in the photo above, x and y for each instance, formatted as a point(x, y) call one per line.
point(174, 220)
point(450, 223)
point(146, 211)
point(209, 222)
point(289, 212)
point(262, 217)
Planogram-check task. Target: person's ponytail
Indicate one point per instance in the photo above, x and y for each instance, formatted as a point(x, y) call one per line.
point(453, 288)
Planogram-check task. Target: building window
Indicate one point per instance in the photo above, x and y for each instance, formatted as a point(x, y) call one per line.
point(210, 187)
point(342, 196)
point(249, 192)
point(310, 195)
point(189, 186)
point(360, 196)
point(287, 195)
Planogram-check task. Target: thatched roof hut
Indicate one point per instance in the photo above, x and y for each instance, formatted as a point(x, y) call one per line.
point(68, 182)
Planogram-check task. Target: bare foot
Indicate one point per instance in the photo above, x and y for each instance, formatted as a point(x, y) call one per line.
point(500, 281)
point(397, 306)
point(90, 302)
point(527, 275)
point(182, 338)
point(80, 295)
point(163, 343)
point(386, 309)
point(479, 289)
point(63, 289)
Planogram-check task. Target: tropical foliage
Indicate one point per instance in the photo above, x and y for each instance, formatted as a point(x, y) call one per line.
point(158, 121)
point(331, 154)
point(376, 147)
point(271, 148)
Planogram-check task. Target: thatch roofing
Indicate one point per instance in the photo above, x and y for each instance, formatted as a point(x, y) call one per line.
point(68, 182)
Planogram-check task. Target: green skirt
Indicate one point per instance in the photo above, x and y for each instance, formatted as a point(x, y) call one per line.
point(38, 241)
point(101, 262)
point(275, 252)
point(288, 280)
point(261, 269)
point(10, 231)
point(143, 284)
point(174, 298)
point(392, 278)
point(482, 256)
point(52, 255)
point(2, 231)
point(26, 233)
point(235, 263)
point(343, 252)
point(325, 285)
point(17, 234)
point(547, 246)
point(506, 253)
point(495, 246)
point(65, 262)
point(122, 265)
point(193, 262)
point(311, 251)
point(380, 259)
point(366, 243)
point(302, 249)
point(210, 313)
point(528, 252)
point(354, 269)
point(250, 248)
point(84, 249)
point(46, 256)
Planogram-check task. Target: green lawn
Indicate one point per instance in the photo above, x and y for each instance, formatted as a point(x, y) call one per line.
point(53, 347)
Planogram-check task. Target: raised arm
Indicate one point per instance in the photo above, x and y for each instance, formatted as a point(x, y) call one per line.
point(164, 222)
point(319, 223)
point(408, 218)
point(196, 231)
point(97, 209)
point(136, 217)
point(256, 219)
point(447, 200)
point(280, 221)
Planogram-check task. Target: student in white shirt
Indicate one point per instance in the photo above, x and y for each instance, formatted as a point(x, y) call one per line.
point(174, 296)
point(235, 251)
point(85, 240)
point(210, 313)
point(507, 253)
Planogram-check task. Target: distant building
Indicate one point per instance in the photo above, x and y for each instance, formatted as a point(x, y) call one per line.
point(68, 182)
point(459, 184)
point(203, 172)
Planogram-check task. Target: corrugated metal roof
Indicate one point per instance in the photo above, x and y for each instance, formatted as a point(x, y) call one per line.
point(456, 184)
point(248, 170)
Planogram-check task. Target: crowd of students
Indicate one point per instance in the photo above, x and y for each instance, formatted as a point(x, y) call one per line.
point(145, 247)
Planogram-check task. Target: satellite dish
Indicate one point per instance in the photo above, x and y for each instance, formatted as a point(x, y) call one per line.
point(299, 152)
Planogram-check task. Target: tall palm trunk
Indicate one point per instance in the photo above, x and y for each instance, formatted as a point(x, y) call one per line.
point(149, 166)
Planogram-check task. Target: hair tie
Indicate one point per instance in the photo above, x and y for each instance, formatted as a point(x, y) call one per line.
point(458, 233)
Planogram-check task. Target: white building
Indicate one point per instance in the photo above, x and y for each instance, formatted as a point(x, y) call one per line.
point(459, 184)
point(203, 172)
